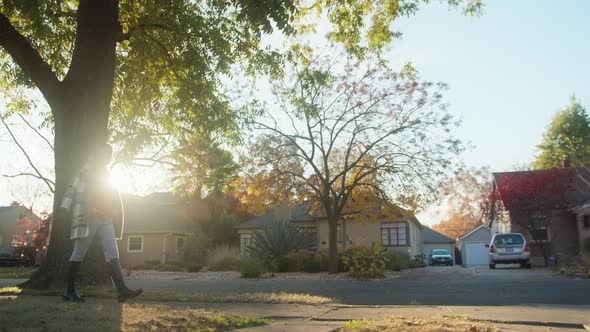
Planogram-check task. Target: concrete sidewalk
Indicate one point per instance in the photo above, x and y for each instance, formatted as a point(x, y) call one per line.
point(324, 318)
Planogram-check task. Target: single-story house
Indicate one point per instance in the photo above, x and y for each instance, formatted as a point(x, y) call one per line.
point(472, 245)
point(156, 229)
point(11, 231)
point(551, 208)
point(402, 233)
point(435, 240)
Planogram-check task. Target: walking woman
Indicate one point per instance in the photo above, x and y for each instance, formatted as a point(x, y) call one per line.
point(93, 204)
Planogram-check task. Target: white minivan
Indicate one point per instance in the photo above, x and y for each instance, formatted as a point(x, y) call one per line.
point(509, 248)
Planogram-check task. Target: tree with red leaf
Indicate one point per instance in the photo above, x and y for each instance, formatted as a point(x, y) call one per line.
point(534, 200)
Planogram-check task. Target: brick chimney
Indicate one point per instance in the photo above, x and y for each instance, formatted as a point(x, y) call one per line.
point(566, 162)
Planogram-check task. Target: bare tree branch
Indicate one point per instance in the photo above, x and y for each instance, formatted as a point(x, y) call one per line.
point(50, 184)
point(36, 131)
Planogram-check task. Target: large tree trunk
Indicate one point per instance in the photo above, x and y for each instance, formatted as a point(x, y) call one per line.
point(332, 245)
point(81, 112)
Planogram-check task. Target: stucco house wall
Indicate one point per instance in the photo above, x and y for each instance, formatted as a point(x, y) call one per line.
point(160, 247)
point(562, 235)
point(583, 225)
point(358, 232)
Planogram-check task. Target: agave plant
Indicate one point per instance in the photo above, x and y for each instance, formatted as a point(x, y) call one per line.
point(277, 240)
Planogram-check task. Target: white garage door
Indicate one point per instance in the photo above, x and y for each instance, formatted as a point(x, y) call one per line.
point(476, 253)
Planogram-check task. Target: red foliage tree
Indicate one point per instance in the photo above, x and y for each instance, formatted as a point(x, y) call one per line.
point(533, 198)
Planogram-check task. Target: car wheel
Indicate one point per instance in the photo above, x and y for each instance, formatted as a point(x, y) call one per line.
point(492, 266)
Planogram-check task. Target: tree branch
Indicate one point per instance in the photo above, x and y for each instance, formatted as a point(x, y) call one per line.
point(36, 131)
point(28, 59)
point(49, 183)
point(127, 35)
point(32, 175)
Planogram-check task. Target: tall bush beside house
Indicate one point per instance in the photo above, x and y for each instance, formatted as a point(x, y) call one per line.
point(397, 261)
point(251, 267)
point(276, 241)
point(366, 262)
point(296, 259)
point(223, 258)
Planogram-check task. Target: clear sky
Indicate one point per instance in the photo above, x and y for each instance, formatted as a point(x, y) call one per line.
point(509, 71)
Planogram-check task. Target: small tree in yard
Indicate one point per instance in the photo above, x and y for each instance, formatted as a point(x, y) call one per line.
point(468, 201)
point(347, 136)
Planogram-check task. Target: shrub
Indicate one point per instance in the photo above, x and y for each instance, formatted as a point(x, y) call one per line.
point(322, 256)
point(312, 266)
point(586, 245)
point(172, 266)
point(195, 250)
point(194, 268)
point(281, 264)
point(151, 264)
point(417, 262)
point(278, 240)
point(297, 258)
point(365, 262)
point(223, 258)
point(252, 267)
point(397, 261)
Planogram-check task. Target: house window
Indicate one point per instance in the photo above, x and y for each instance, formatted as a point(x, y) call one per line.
point(135, 243)
point(395, 234)
point(312, 234)
point(339, 234)
point(540, 231)
point(245, 242)
point(586, 221)
point(179, 243)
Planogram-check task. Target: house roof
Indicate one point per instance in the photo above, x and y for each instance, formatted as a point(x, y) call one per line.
point(298, 213)
point(474, 230)
point(155, 213)
point(9, 214)
point(558, 188)
point(431, 236)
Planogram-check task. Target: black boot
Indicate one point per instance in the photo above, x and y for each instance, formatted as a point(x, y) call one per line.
point(117, 275)
point(71, 294)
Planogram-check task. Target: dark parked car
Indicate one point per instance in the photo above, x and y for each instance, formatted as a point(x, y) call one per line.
point(8, 259)
point(441, 256)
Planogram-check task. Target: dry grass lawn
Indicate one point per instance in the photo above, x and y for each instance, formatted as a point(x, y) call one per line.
point(42, 313)
point(434, 324)
point(183, 296)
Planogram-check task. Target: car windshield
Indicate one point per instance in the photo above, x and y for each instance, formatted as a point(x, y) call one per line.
point(508, 239)
point(440, 252)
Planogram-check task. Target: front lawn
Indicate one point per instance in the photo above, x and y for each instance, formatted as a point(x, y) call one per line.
point(434, 324)
point(18, 272)
point(42, 313)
